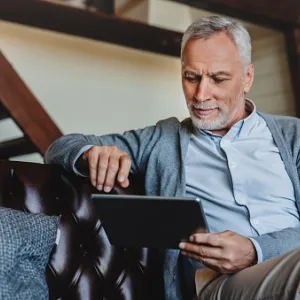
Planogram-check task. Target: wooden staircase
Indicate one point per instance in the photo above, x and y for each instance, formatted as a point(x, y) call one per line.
point(18, 102)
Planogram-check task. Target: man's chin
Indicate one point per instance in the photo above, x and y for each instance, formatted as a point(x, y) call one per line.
point(205, 123)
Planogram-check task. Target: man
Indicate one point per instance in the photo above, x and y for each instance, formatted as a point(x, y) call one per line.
point(244, 165)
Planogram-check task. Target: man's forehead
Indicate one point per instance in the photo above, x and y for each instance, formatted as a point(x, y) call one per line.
point(213, 67)
point(217, 49)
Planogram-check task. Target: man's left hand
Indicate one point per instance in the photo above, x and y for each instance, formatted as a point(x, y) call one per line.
point(226, 252)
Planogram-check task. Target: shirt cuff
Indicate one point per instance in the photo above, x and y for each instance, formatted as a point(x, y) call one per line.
point(259, 253)
point(75, 170)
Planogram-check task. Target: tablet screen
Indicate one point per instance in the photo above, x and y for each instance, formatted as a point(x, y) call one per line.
point(149, 221)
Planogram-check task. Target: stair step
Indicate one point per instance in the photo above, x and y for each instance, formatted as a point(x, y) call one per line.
point(16, 147)
point(3, 113)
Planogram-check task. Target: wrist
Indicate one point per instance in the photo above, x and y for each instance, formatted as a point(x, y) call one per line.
point(254, 262)
point(254, 257)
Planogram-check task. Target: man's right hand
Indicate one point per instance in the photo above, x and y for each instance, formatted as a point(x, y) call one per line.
point(107, 164)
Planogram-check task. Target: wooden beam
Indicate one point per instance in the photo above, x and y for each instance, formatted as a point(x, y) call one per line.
point(293, 49)
point(25, 109)
point(91, 24)
point(16, 147)
point(277, 14)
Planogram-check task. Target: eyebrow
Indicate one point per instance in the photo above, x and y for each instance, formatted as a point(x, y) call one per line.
point(190, 73)
point(212, 74)
point(224, 73)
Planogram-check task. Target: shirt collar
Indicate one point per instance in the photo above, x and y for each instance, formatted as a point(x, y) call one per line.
point(249, 123)
point(243, 127)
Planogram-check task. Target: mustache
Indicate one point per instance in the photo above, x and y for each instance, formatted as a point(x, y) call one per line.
point(203, 105)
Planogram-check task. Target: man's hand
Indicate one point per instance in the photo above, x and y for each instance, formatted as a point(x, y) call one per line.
point(226, 252)
point(107, 164)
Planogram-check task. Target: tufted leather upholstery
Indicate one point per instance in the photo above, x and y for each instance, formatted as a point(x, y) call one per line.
point(84, 265)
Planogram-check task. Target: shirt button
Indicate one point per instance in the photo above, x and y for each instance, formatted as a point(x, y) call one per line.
point(255, 222)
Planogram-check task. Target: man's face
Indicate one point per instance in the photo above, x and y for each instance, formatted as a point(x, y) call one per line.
point(214, 82)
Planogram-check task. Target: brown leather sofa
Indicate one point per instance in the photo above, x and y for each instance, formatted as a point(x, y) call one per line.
point(84, 265)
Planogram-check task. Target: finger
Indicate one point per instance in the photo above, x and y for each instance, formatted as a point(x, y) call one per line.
point(112, 170)
point(102, 169)
point(209, 262)
point(125, 183)
point(203, 250)
point(93, 166)
point(125, 164)
point(191, 255)
point(212, 239)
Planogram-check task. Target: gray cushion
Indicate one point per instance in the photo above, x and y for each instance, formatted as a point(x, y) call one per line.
point(26, 241)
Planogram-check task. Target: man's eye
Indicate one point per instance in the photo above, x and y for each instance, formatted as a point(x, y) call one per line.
point(191, 79)
point(219, 80)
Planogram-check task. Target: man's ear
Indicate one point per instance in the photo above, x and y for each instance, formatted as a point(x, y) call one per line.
point(249, 78)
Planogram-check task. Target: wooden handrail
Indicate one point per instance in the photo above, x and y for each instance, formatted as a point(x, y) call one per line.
point(25, 109)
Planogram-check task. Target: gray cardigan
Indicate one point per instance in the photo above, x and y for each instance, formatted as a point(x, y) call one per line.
point(158, 152)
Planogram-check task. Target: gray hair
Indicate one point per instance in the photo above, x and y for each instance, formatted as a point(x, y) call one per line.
point(206, 27)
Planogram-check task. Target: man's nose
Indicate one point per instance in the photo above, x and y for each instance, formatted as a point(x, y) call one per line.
point(204, 90)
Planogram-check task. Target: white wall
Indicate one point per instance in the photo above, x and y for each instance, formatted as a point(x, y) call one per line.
point(139, 12)
point(272, 90)
point(90, 86)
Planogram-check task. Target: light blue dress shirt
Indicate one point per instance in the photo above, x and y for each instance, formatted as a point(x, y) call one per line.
point(241, 180)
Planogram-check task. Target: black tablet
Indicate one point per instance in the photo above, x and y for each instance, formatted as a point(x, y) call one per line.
point(146, 221)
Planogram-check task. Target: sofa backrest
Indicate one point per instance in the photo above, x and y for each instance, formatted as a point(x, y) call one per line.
point(83, 265)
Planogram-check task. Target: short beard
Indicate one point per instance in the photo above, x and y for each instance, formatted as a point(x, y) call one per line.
point(206, 124)
point(222, 121)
